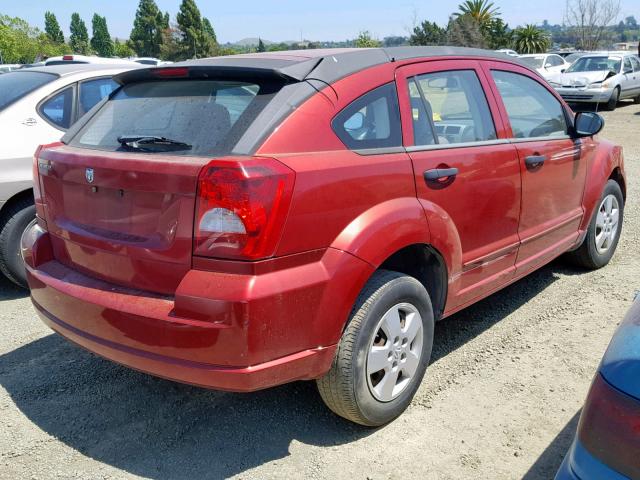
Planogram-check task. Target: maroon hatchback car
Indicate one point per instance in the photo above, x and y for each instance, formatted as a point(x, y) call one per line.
point(241, 222)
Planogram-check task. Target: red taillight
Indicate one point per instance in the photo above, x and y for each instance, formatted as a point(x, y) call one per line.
point(610, 427)
point(67, 57)
point(37, 193)
point(241, 208)
point(171, 72)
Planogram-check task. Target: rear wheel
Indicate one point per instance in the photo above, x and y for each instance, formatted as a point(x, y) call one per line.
point(13, 223)
point(636, 100)
point(613, 101)
point(604, 230)
point(383, 353)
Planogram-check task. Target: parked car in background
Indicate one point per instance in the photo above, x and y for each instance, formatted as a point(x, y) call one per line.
point(242, 222)
point(600, 78)
point(572, 57)
point(149, 61)
point(546, 64)
point(508, 51)
point(80, 59)
point(607, 443)
point(9, 67)
point(37, 105)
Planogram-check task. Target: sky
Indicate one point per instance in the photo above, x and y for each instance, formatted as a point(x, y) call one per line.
point(293, 19)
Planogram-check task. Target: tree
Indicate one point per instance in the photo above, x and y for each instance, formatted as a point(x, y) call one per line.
point(171, 47)
point(590, 19)
point(208, 29)
point(631, 22)
point(365, 40)
point(122, 50)
point(428, 33)
point(195, 41)
point(465, 31)
point(261, 48)
point(530, 39)
point(498, 34)
point(22, 43)
point(101, 41)
point(482, 11)
point(79, 39)
point(394, 41)
point(52, 28)
point(146, 36)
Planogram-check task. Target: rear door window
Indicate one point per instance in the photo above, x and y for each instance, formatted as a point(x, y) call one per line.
point(92, 91)
point(371, 121)
point(59, 108)
point(450, 107)
point(15, 85)
point(533, 111)
point(208, 116)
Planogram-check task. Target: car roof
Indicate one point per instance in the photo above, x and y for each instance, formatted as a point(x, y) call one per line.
point(73, 68)
point(325, 65)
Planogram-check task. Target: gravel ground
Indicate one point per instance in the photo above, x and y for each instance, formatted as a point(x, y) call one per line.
point(501, 399)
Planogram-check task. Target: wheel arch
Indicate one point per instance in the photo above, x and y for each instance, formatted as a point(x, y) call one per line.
point(424, 263)
point(17, 197)
point(607, 164)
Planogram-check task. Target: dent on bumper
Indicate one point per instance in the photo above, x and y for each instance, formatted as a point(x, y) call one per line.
point(253, 331)
point(579, 464)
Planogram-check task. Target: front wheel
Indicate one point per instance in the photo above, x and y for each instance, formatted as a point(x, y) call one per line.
point(604, 230)
point(613, 101)
point(383, 353)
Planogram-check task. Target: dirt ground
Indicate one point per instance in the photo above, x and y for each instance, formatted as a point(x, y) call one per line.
point(501, 399)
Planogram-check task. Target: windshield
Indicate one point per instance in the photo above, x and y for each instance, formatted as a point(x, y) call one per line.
point(535, 62)
point(15, 85)
point(185, 117)
point(596, 64)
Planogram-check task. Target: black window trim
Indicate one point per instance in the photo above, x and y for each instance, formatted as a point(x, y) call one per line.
point(373, 150)
point(567, 117)
point(39, 107)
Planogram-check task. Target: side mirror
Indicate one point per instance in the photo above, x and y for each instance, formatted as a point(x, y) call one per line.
point(563, 70)
point(355, 122)
point(588, 124)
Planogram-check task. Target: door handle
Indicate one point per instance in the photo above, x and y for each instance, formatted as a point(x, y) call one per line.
point(437, 174)
point(534, 160)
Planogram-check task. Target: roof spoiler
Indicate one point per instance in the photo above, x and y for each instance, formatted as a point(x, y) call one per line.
point(224, 68)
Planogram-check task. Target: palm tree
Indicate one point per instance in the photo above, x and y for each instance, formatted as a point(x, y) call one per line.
point(530, 39)
point(483, 11)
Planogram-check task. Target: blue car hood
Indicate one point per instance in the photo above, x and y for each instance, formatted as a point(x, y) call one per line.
point(621, 362)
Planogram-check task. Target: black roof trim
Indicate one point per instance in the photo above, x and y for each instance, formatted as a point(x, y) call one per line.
point(325, 65)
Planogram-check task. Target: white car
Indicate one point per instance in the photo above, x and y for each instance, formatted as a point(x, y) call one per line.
point(149, 61)
point(600, 78)
point(546, 64)
point(9, 67)
point(37, 106)
point(508, 51)
point(75, 59)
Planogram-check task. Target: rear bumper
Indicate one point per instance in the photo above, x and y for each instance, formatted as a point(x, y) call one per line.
point(579, 464)
point(225, 331)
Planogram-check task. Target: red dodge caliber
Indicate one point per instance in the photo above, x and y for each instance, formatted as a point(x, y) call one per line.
point(241, 222)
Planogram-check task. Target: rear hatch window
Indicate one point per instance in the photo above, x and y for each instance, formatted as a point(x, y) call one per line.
point(15, 85)
point(184, 117)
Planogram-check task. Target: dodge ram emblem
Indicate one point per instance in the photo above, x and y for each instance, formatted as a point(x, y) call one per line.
point(88, 174)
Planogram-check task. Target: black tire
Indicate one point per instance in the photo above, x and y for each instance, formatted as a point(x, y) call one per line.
point(636, 100)
point(587, 255)
point(345, 388)
point(613, 101)
point(13, 222)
